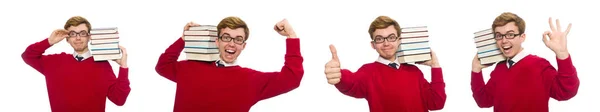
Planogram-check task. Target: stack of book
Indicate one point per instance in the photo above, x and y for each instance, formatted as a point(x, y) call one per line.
point(487, 50)
point(200, 43)
point(414, 45)
point(104, 44)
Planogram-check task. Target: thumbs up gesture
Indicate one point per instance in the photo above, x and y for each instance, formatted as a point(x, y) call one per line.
point(332, 68)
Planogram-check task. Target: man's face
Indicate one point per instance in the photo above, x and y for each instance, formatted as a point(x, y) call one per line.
point(231, 49)
point(386, 49)
point(78, 37)
point(509, 47)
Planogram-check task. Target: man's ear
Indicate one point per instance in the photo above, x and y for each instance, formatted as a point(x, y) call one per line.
point(217, 42)
point(243, 45)
point(372, 44)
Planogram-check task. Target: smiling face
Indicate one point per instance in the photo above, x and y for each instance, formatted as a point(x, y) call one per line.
point(386, 49)
point(509, 47)
point(230, 49)
point(381, 28)
point(504, 26)
point(233, 33)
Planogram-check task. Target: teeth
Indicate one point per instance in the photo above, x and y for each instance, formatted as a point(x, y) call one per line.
point(506, 47)
point(231, 51)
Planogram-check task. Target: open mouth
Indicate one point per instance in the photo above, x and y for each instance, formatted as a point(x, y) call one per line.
point(229, 51)
point(506, 49)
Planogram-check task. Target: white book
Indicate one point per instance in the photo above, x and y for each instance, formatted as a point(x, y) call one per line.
point(486, 42)
point(413, 45)
point(104, 36)
point(414, 34)
point(107, 30)
point(112, 51)
point(201, 44)
point(488, 47)
point(200, 38)
point(200, 33)
point(411, 52)
point(414, 29)
point(487, 50)
point(112, 45)
point(414, 58)
point(483, 35)
point(204, 51)
point(202, 57)
point(412, 40)
point(487, 53)
point(106, 57)
point(104, 41)
point(203, 27)
point(492, 59)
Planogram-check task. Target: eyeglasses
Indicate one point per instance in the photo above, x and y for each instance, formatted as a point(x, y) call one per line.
point(80, 34)
point(391, 38)
point(237, 40)
point(499, 36)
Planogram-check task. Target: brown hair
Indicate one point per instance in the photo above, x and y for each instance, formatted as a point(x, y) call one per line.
point(508, 17)
point(233, 22)
point(382, 22)
point(78, 20)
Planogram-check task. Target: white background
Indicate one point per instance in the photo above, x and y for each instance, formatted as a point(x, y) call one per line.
point(147, 28)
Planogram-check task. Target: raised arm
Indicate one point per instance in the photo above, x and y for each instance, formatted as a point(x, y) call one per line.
point(33, 55)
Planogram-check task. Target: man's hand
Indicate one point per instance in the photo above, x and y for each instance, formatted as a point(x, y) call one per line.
point(285, 29)
point(187, 27)
point(57, 36)
point(332, 68)
point(123, 61)
point(477, 66)
point(556, 39)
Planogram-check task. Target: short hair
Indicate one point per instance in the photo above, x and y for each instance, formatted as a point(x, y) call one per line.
point(382, 22)
point(233, 22)
point(508, 17)
point(76, 21)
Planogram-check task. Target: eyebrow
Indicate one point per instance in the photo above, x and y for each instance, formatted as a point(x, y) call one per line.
point(507, 31)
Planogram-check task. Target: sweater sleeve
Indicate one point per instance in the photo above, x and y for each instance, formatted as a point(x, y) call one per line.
point(34, 57)
point(168, 65)
point(564, 83)
point(275, 83)
point(482, 93)
point(353, 84)
point(119, 90)
point(434, 93)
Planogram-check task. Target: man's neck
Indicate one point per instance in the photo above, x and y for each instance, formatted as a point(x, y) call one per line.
point(519, 51)
point(82, 51)
point(392, 59)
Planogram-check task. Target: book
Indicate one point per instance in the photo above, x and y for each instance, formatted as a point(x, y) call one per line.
point(104, 41)
point(414, 45)
point(487, 50)
point(104, 44)
point(199, 33)
point(200, 43)
point(109, 30)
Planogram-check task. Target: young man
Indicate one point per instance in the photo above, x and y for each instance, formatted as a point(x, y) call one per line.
point(387, 85)
point(223, 86)
point(77, 83)
point(524, 82)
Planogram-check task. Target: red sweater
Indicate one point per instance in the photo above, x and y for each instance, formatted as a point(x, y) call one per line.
point(77, 86)
point(526, 86)
point(395, 90)
point(204, 87)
